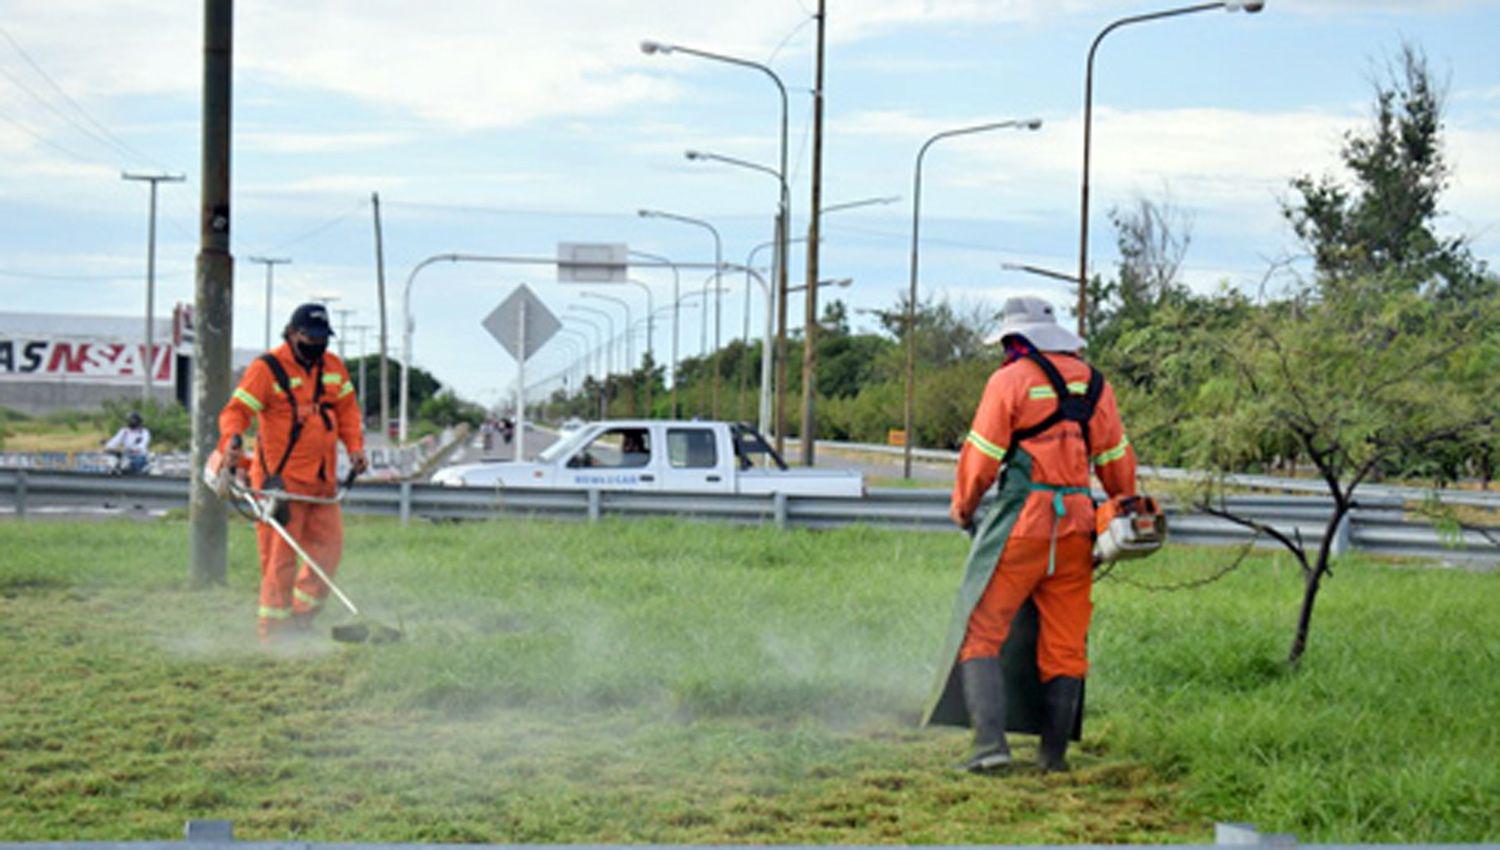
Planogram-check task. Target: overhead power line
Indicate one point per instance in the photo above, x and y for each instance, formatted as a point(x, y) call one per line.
point(42, 138)
point(100, 133)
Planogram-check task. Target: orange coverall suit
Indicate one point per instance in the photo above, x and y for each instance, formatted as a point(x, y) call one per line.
point(1060, 580)
point(289, 597)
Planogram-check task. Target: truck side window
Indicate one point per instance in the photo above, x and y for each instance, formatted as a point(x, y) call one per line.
point(691, 448)
point(618, 448)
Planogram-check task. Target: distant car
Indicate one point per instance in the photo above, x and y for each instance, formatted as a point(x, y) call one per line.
point(570, 426)
point(659, 455)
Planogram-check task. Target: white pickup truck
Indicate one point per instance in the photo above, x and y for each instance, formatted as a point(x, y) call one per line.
point(659, 455)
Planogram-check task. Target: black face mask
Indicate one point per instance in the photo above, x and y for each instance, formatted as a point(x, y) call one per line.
point(308, 353)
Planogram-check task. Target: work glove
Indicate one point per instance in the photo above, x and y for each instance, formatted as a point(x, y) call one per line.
point(358, 462)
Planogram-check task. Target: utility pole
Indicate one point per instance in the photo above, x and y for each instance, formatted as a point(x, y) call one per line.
point(385, 395)
point(343, 315)
point(270, 263)
point(810, 324)
point(213, 297)
point(150, 352)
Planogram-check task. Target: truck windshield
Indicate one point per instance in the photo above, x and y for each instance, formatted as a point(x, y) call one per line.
point(562, 446)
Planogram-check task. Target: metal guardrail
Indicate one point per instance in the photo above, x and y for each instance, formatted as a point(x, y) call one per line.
point(386, 462)
point(1449, 495)
point(1380, 526)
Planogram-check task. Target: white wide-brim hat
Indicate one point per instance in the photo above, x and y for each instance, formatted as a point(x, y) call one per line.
point(1034, 319)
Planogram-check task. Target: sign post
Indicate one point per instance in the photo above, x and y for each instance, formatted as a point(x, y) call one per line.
point(522, 324)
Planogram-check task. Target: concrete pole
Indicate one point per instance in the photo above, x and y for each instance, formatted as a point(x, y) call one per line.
point(270, 263)
point(213, 296)
point(150, 351)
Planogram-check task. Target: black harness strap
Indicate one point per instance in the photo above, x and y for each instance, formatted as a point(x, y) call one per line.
point(1071, 407)
point(285, 382)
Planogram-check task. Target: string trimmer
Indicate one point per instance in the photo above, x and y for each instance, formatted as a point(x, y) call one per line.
point(264, 506)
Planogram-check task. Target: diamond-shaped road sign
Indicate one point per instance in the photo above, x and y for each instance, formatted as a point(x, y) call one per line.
point(505, 323)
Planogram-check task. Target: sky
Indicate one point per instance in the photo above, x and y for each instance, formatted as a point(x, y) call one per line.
point(504, 127)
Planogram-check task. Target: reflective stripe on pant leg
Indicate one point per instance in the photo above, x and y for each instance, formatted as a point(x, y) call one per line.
point(1021, 566)
point(1065, 608)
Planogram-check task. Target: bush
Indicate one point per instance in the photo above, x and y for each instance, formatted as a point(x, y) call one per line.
point(171, 426)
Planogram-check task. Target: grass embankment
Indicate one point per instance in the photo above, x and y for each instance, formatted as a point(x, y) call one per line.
point(59, 434)
point(87, 430)
point(671, 682)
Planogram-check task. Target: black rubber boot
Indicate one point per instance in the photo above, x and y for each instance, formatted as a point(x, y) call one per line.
point(984, 694)
point(1062, 713)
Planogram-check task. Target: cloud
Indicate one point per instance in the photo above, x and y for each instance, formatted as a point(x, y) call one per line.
point(301, 143)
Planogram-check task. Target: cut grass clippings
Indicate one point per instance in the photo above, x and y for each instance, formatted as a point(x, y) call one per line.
point(678, 682)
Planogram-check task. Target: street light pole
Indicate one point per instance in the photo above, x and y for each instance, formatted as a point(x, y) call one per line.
point(1248, 6)
point(911, 298)
point(623, 305)
point(718, 271)
point(149, 358)
point(598, 355)
point(584, 350)
point(778, 233)
point(270, 263)
point(650, 47)
point(1039, 271)
point(649, 364)
point(676, 317)
point(609, 364)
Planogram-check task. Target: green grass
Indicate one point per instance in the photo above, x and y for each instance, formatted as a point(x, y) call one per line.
point(677, 682)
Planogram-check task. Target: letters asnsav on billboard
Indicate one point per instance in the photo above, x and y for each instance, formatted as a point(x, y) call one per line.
point(91, 361)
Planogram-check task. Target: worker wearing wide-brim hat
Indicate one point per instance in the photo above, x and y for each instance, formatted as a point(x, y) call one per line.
point(1046, 420)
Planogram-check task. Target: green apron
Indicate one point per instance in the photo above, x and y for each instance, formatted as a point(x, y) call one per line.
point(1024, 704)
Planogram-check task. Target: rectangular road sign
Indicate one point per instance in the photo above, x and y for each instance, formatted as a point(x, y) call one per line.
point(592, 262)
point(522, 323)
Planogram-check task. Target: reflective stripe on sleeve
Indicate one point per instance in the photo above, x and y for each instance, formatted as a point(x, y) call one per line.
point(249, 400)
point(333, 378)
point(348, 388)
point(986, 447)
point(1113, 454)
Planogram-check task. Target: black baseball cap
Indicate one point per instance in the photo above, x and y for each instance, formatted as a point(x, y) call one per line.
point(311, 319)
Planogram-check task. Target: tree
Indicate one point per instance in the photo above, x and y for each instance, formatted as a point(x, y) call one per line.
point(423, 385)
point(1356, 382)
point(1153, 238)
point(1381, 228)
point(945, 333)
point(446, 409)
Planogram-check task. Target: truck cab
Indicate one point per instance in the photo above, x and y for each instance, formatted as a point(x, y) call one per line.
point(659, 455)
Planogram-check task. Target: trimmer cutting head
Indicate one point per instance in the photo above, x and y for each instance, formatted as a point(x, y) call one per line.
point(361, 631)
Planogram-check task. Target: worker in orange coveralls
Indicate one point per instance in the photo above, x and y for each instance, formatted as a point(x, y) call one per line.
point(1046, 420)
point(301, 395)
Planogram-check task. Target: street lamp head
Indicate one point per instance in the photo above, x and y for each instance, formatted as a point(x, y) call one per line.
point(1033, 124)
point(693, 154)
point(645, 213)
point(1248, 6)
point(649, 47)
